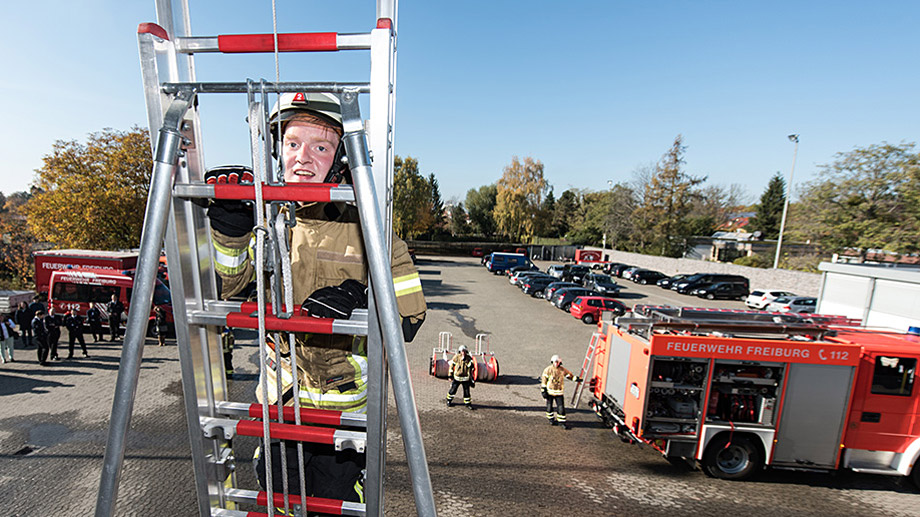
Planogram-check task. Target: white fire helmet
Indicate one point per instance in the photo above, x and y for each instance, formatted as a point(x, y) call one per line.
point(463, 348)
point(555, 359)
point(289, 104)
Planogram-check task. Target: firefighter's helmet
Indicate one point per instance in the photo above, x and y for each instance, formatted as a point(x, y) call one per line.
point(462, 349)
point(323, 107)
point(555, 359)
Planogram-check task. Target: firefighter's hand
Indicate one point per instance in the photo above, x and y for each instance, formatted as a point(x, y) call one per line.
point(579, 379)
point(230, 218)
point(336, 301)
point(472, 383)
point(544, 393)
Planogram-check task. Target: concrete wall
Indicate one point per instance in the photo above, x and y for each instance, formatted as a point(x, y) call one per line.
point(799, 282)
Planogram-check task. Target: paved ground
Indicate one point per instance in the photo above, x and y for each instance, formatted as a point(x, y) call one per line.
point(503, 459)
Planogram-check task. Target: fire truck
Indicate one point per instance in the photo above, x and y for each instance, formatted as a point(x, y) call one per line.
point(737, 391)
point(591, 258)
point(49, 261)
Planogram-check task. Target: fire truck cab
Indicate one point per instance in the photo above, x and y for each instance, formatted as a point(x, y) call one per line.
point(736, 391)
point(82, 288)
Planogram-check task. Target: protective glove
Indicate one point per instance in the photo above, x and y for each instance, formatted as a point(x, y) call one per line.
point(544, 393)
point(230, 218)
point(579, 379)
point(472, 383)
point(336, 301)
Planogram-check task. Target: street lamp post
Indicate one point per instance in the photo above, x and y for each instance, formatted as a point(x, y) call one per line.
point(782, 224)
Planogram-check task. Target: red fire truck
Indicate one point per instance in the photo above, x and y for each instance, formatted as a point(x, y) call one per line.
point(590, 258)
point(735, 391)
point(49, 261)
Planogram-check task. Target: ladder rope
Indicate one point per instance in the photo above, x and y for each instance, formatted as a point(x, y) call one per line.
point(260, 231)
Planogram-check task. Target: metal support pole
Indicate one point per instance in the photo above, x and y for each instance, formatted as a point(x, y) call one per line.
point(782, 225)
point(155, 219)
point(385, 300)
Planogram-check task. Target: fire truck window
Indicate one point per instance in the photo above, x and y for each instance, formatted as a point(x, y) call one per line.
point(893, 375)
point(68, 292)
point(101, 294)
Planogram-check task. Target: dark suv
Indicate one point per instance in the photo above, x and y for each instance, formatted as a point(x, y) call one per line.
point(703, 279)
point(574, 273)
point(728, 290)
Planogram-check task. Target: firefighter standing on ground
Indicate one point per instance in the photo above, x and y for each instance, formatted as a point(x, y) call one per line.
point(552, 383)
point(115, 309)
point(461, 373)
point(40, 336)
point(94, 318)
point(74, 324)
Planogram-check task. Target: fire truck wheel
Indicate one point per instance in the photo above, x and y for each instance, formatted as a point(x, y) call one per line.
point(588, 318)
point(915, 475)
point(738, 459)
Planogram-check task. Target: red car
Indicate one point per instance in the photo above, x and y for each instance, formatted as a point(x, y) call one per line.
point(477, 252)
point(588, 308)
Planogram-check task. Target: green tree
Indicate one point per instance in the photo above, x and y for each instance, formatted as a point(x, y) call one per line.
point(438, 223)
point(519, 196)
point(411, 199)
point(92, 195)
point(564, 210)
point(543, 224)
point(770, 209)
point(480, 205)
point(458, 220)
point(666, 204)
point(866, 198)
point(618, 221)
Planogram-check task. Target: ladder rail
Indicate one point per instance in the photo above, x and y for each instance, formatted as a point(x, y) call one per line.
point(585, 368)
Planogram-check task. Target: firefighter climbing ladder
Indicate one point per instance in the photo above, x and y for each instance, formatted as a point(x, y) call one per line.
point(174, 98)
point(596, 337)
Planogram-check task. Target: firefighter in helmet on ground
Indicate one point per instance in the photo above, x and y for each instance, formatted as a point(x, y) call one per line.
point(329, 275)
point(552, 383)
point(460, 372)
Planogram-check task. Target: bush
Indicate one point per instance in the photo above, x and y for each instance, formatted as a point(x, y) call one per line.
point(754, 260)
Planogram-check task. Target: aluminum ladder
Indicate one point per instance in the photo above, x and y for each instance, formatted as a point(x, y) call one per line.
point(174, 97)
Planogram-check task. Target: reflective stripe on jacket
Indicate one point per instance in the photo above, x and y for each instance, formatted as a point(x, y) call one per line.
point(553, 379)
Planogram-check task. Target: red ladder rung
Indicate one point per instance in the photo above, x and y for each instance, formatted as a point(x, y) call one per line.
point(319, 192)
point(290, 42)
point(311, 415)
point(293, 324)
point(314, 504)
point(298, 433)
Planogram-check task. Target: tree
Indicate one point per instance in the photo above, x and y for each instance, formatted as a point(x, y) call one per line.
point(480, 204)
point(519, 196)
point(437, 224)
point(770, 209)
point(564, 212)
point(866, 198)
point(411, 199)
point(543, 223)
point(666, 203)
point(16, 244)
point(712, 205)
point(92, 195)
point(458, 220)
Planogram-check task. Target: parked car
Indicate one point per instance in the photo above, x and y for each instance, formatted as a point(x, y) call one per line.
point(793, 304)
point(647, 276)
point(477, 252)
point(760, 298)
point(601, 283)
point(535, 285)
point(563, 298)
point(574, 273)
point(703, 279)
point(555, 270)
point(555, 286)
point(628, 272)
point(588, 308)
point(666, 283)
point(610, 265)
point(618, 270)
point(722, 290)
point(519, 276)
point(499, 262)
point(519, 269)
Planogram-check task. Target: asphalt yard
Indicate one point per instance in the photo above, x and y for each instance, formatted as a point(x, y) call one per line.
point(502, 459)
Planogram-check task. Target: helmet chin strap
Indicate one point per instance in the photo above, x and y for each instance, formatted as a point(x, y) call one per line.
point(339, 170)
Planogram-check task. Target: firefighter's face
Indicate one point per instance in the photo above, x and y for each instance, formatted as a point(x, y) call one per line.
point(308, 151)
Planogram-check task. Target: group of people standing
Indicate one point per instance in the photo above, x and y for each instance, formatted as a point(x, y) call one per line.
point(34, 324)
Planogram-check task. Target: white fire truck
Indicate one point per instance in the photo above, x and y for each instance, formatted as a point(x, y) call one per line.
point(737, 391)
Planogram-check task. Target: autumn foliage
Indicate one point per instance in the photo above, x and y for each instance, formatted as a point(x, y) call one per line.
point(92, 195)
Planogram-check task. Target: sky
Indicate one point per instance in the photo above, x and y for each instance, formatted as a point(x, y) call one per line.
point(593, 90)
